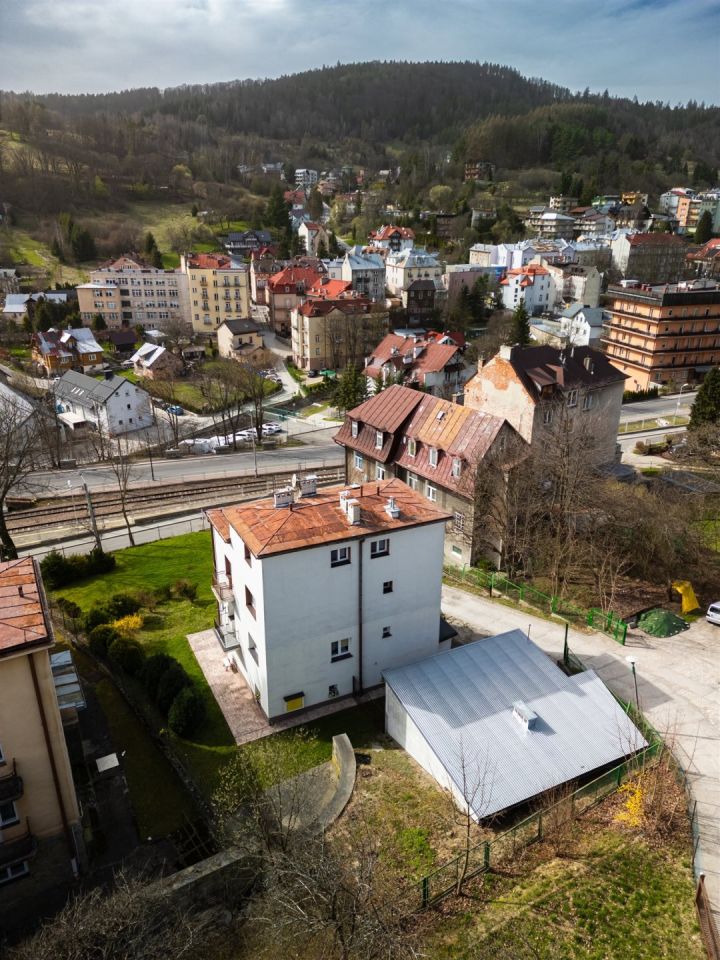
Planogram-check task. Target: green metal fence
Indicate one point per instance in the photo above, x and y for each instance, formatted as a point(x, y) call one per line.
point(488, 854)
point(495, 583)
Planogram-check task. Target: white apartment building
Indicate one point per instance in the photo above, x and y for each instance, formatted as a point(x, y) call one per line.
point(365, 272)
point(128, 293)
point(320, 591)
point(305, 179)
point(408, 265)
point(113, 405)
point(533, 285)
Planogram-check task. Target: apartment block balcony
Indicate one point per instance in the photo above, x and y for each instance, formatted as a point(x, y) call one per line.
point(225, 633)
point(222, 588)
point(11, 785)
point(18, 849)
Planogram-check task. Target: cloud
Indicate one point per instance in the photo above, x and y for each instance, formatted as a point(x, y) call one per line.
point(655, 49)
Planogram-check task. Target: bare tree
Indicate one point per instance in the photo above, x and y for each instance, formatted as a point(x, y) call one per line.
point(469, 800)
point(21, 453)
point(254, 387)
point(223, 388)
point(123, 469)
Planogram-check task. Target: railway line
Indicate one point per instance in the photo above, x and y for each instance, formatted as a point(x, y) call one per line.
point(142, 503)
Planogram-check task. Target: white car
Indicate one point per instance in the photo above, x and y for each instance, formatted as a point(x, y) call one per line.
point(713, 614)
point(271, 429)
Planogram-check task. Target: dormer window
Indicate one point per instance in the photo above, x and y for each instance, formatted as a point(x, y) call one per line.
point(354, 428)
point(378, 439)
point(456, 467)
point(433, 456)
point(411, 447)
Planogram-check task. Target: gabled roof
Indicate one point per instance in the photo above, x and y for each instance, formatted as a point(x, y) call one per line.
point(22, 617)
point(327, 289)
point(315, 520)
point(209, 261)
point(150, 353)
point(87, 391)
point(462, 703)
point(241, 326)
point(388, 231)
point(294, 276)
point(655, 240)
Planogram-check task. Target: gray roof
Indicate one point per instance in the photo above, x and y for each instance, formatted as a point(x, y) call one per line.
point(9, 396)
point(85, 390)
point(241, 325)
point(461, 701)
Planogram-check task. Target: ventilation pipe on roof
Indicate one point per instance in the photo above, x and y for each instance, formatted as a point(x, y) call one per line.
point(308, 485)
point(588, 364)
point(283, 497)
point(344, 497)
point(392, 509)
point(524, 715)
point(353, 511)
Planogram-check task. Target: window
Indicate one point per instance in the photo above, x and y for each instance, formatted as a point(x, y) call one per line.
point(250, 601)
point(457, 552)
point(572, 397)
point(431, 492)
point(340, 556)
point(13, 872)
point(253, 649)
point(411, 448)
point(340, 649)
point(8, 814)
point(456, 467)
point(587, 401)
point(386, 632)
point(317, 351)
point(359, 461)
point(378, 439)
point(2, 756)
point(547, 415)
point(433, 456)
point(333, 690)
point(412, 481)
point(317, 338)
point(379, 471)
point(458, 522)
point(248, 555)
point(354, 428)
point(294, 701)
point(387, 586)
point(380, 548)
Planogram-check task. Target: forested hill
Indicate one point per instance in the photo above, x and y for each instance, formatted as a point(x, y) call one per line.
point(369, 101)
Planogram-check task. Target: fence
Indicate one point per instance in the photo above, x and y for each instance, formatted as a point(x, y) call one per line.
point(606, 622)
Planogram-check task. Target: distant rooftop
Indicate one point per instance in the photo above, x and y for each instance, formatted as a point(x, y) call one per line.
point(22, 617)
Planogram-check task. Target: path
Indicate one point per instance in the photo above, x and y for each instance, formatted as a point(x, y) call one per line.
point(678, 686)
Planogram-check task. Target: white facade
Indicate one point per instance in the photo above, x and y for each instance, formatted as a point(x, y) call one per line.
point(305, 179)
point(365, 272)
point(533, 286)
point(408, 265)
point(116, 407)
point(304, 628)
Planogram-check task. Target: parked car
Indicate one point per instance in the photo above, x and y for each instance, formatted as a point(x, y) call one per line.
point(271, 429)
point(127, 364)
point(713, 614)
point(175, 409)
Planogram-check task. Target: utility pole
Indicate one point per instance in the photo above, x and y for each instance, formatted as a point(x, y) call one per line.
point(91, 515)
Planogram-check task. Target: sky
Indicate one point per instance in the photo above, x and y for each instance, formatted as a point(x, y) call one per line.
point(656, 49)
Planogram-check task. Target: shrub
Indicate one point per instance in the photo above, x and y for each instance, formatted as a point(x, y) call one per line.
point(59, 571)
point(128, 655)
point(187, 712)
point(54, 569)
point(101, 638)
point(147, 599)
point(129, 625)
point(123, 604)
point(100, 562)
point(154, 670)
point(641, 447)
point(164, 592)
point(171, 683)
point(97, 614)
point(70, 609)
point(184, 589)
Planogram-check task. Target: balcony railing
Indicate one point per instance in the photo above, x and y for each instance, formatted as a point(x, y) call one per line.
point(222, 588)
point(226, 635)
point(18, 849)
point(11, 785)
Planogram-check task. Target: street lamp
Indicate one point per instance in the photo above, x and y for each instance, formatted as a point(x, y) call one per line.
point(632, 661)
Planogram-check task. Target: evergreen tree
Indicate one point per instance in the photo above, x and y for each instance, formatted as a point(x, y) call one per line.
point(333, 245)
point(98, 323)
point(706, 408)
point(351, 388)
point(703, 230)
point(322, 251)
point(149, 244)
point(156, 259)
point(520, 326)
point(83, 245)
point(315, 204)
point(277, 210)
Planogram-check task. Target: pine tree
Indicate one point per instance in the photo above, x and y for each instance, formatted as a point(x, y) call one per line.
point(156, 259)
point(520, 326)
point(351, 388)
point(706, 408)
point(98, 323)
point(703, 230)
point(149, 244)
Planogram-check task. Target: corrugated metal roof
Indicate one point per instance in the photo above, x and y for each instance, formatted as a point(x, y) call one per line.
point(462, 703)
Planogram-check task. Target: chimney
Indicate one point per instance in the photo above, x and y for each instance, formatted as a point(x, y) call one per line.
point(109, 374)
point(20, 591)
point(392, 509)
point(588, 364)
point(283, 497)
point(353, 511)
point(505, 351)
point(344, 497)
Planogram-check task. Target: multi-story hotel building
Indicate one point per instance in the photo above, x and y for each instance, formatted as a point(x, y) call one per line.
point(663, 334)
point(217, 289)
point(40, 833)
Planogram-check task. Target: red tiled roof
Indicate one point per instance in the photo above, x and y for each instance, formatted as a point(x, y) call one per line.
point(294, 276)
point(316, 520)
point(709, 249)
point(209, 261)
point(22, 622)
point(654, 239)
point(433, 358)
point(384, 233)
point(326, 288)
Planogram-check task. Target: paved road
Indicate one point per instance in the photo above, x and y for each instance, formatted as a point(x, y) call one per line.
point(628, 441)
point(678, 686)
point(659, 407)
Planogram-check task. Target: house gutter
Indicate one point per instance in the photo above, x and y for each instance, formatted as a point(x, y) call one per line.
point(360, 614)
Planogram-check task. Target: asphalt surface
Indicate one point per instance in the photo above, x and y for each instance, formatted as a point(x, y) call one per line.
point(660, 407)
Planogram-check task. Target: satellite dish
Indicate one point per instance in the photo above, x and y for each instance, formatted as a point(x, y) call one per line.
point(294, 480)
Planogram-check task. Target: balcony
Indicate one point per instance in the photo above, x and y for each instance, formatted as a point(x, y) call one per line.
point(11, 785)
point(18, 849)
point(222, 588)
point(225, 633)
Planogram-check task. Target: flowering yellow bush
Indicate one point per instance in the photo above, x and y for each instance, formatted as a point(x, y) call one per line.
point(633, 810)
point(129, 625)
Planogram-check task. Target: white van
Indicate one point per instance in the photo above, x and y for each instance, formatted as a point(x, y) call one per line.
point(713, 614)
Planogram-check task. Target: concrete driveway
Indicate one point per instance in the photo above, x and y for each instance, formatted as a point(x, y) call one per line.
point(678, 687)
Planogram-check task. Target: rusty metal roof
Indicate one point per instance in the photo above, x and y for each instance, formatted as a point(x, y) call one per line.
point(22, 620)
point(314, 520)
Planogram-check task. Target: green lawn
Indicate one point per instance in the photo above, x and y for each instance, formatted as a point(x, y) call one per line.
point(615, 897)
point(149, 567)
point(129, 375)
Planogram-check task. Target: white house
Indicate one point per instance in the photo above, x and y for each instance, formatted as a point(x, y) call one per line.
point(532, 285)
point(407, 265)
point(114, 405)
point(365, 272)
point(305, 179)
point(313, 235)
point(320, 591)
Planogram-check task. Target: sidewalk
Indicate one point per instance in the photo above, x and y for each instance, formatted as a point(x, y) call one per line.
point(678, 686)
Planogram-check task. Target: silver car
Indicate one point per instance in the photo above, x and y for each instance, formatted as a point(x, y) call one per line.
point(713, 614)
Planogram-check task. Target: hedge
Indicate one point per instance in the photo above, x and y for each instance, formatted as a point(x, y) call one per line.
point(60, 571)
point(187, 712)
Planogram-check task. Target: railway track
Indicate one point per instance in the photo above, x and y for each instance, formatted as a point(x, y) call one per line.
point(60, 511)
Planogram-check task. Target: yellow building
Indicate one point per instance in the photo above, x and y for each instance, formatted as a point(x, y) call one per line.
point(40, 836)
point(218, 290)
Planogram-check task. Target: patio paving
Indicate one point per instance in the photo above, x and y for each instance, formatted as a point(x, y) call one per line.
point(244, 717)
